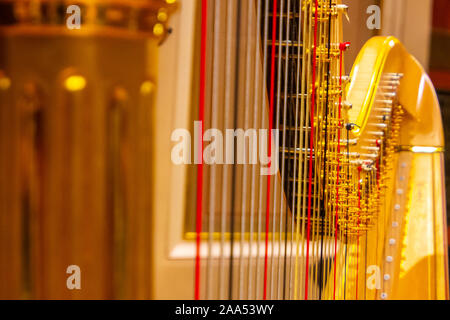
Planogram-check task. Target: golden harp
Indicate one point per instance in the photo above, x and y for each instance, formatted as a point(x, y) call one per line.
point(309, 184)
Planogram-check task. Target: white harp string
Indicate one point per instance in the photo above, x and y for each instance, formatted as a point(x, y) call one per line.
point(225, 186)
point(256, 115)
point(264, 118)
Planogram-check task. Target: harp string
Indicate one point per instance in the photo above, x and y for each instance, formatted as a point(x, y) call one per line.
point(288, 121)
point(317, 111)
point(202, 90)
point(214, 124)
point(235, 125)
point(324, 165)
point(344, 231)
point(295, 78)
point(272, 92)
point(284, 215)
point(300, 265)
point(378, 170)
point(357, 232)
point(246, 107)
point(308, 144)
point(275, 244)
point(225, 170)
point(325, 233)
point(256, 116)
point(263, 124)
point(298, 143)
point(338, 174)
point(326, 230)
point(341, 231)
point(311, 152)
point(335, 233)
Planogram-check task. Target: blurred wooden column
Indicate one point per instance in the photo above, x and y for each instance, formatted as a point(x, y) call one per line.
point(76, 155)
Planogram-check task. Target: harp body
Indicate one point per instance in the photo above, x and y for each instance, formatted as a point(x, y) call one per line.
point(356, 209)
point(420, 195)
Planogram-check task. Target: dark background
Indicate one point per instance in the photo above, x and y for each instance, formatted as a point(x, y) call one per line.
point(440, 73)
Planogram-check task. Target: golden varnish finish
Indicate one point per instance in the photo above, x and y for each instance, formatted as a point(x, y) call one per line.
point(415, 256)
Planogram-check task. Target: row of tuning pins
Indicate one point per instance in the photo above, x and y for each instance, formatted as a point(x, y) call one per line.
point(325, 10)
point(377, 127)
point(385, 101)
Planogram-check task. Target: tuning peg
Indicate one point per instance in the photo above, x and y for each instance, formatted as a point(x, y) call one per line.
point(343, 9)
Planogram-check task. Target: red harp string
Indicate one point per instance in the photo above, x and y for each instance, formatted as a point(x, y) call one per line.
point(272, 93)
point(201, 116)
point(311, 145)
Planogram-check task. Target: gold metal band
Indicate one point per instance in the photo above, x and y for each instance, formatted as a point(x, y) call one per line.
point(421, 149)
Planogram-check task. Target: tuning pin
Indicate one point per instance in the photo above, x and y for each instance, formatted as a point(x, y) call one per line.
point(368, 165)
point(378, 142)
point(355, 155)
point(351, 142)
point(378, 125)
point(370, 148)
point(385, 102)
point(343, 9)
point(345, 79)
point(376, 133)
point(344, 46)
point(347, 105)
point(389, 94)
point(382, 117)
point(393, 76)
point(369, 155)
point(390, 83)
point(388, 88)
